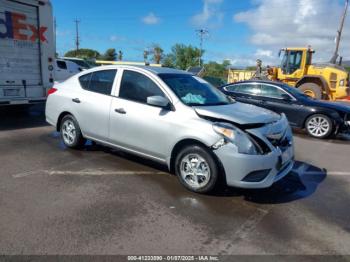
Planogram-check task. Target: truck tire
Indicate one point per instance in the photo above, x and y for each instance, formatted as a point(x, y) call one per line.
point(311, 89)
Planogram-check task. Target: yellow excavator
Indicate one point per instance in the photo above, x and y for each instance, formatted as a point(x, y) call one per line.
point(322, 81)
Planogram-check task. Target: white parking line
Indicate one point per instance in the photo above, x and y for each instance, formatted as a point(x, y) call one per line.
point(100, 173)
point(88, 172)
point(301, 170)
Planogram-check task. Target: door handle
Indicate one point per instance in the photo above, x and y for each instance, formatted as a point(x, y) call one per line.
point(76, 100)
point(120, 111)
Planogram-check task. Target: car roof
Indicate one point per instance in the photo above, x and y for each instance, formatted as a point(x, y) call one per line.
point(258, 81)
point(152, 69)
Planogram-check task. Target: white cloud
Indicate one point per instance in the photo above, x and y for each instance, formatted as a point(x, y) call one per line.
point(211, 15)
point(151, 19)
point(276, 24)
point(264, 53)
point(116, 38)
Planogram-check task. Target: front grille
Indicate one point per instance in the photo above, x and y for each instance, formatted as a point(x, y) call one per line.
point(282, 142)
point(256, 176)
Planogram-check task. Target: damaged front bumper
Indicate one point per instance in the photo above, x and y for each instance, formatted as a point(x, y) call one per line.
point(261, 170)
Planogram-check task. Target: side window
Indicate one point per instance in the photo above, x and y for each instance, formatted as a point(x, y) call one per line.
point(233, 88)
point(271, 91)
point(99, 82)
point(250, 89)
point(137, 87)
point(61, 64)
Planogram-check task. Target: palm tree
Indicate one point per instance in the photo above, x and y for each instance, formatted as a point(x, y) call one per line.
point(157, 54)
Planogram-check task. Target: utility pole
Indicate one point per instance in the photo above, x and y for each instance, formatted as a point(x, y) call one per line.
point(202, 33)
point(339, 32)
point(55, 35)
point(77, 38)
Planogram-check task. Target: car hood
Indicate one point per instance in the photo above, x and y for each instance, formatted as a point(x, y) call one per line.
point(330, 105)
point(239, 113)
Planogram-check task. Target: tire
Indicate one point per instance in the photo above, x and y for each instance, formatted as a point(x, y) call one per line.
point(312, 90)
point(319, 126)
point(200, 179)
point(71, 133)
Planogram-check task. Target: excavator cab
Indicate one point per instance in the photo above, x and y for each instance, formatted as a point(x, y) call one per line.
point(294, 64)
point(291, 61)
point(295, 59)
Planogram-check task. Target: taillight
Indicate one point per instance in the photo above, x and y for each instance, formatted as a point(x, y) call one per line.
point(51, 91)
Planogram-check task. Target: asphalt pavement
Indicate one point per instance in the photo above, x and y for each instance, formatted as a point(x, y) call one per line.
point(102, 201)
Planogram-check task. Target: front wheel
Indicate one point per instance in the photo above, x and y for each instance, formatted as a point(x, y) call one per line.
point(197, 169)
point(319, 126)
point(71, 133)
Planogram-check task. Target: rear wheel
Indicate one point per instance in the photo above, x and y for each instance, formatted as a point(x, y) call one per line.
point(197, 169)
point(311, 89)
point(71, 133)
point(319, 126)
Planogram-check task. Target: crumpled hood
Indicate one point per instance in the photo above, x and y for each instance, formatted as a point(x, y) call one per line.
point(239, 113)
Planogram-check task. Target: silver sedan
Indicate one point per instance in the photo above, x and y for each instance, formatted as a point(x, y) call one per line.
point(175, 118)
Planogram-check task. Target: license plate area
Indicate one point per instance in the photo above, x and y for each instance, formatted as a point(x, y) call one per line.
point(287, 154)
point(13, 92)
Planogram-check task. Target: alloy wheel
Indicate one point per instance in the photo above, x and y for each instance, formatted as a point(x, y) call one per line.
point(195, 171)
point(318, 126)
point(69, 132)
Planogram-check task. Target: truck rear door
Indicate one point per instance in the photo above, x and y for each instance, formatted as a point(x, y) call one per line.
point(20, 58)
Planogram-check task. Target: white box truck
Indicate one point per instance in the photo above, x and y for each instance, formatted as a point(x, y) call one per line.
point(27, 51)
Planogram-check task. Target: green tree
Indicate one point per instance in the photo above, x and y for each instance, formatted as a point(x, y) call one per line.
point(169, 60)
point(110, 55)
point(83, 53)
point(214, 69)
point(182, 57)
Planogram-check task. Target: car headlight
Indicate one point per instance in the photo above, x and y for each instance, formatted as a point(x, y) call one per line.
point(342, 82)
point(237, 137)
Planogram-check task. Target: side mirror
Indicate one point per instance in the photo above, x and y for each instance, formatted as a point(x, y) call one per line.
point(286, 97)
point(158, 101)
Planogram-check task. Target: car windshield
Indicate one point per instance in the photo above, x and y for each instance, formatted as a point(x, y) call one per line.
point(195, 91)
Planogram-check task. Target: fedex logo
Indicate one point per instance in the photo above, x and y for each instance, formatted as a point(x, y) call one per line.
point(16, 26)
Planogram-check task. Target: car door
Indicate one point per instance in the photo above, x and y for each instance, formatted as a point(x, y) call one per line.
point(134, 124)
point(278, 100)
point(61, 71)
point(93, 103)
point(73, 68)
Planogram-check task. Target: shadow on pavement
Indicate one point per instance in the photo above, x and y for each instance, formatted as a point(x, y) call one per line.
point(300, 183)
point(19, 117)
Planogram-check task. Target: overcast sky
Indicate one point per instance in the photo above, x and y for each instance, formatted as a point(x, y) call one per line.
point(240, 31)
